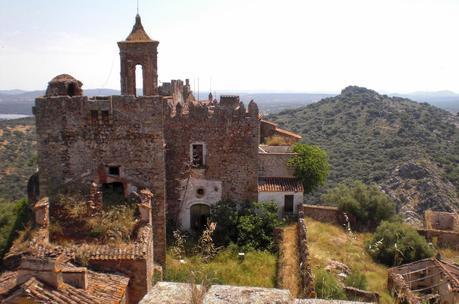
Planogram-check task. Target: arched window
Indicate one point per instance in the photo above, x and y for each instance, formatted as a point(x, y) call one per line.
point(199, 213)
point(139, 80)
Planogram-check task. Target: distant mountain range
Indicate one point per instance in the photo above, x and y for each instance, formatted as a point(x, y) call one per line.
point(20, 101)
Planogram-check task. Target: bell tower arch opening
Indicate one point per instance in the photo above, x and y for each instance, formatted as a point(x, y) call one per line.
point(139, 78)
point(139, 49)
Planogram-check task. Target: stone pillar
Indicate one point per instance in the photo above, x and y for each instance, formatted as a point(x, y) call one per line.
point(145, 206)
point(41, 212)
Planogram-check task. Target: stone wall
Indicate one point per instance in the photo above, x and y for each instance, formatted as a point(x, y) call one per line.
point(79, 138)
point(444, 238)
point(307, 284)
point(274, 164)
point(230, 136)
point(325, 214)
point(441, 220)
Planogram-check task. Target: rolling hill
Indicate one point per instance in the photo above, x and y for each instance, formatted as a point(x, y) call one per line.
point(411, 149)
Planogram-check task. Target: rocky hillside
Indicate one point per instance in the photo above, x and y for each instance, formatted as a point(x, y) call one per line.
point(17, 156)
point(409, 148)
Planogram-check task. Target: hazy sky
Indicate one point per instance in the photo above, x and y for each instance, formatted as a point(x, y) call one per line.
point(288, 45)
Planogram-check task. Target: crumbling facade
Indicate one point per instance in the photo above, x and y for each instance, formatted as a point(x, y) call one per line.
point(189, 153)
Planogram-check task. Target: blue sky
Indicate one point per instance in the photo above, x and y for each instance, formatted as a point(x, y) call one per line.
point(289, 45)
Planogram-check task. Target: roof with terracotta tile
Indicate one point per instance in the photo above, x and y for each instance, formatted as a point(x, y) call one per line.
point(102, 288)
point(138, 33)
point(279, 184)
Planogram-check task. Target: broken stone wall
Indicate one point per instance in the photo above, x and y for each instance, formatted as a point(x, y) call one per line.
point(441, 220)
point(79, 138)
point(307, 284)
point(324, 214)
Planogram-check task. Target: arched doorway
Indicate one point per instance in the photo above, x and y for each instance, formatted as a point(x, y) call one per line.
point(199, 213)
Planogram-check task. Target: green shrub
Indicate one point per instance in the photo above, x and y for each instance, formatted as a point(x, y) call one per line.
point(327, 287)
point(13, 217)
point(249, 225)
point(256, 226)
point(356, 279)
point(310, 165)
point(366, 203)
point(395, 243)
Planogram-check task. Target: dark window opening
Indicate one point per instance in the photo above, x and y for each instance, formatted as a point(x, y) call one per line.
point(198, 155)
point(105, 117)
point(94, 117)
point(199, 214)
point(288, 204)
point(71, 89)
point(113, 193)
point(114, 170)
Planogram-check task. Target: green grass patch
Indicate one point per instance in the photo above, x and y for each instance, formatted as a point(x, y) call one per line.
point(257, 269)
point(328, 242)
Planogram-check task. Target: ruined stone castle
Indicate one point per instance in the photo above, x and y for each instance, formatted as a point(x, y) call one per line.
point(189, 153)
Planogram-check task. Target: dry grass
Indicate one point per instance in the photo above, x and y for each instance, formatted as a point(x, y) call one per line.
point(20, 128)
point(276, 141)
point(288, 261)
point(450, 254)
point(328, 242)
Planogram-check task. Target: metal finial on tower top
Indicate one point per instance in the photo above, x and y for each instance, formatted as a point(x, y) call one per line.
point(137, 7)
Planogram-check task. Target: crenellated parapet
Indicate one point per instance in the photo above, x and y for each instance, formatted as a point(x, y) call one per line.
point(228, 108)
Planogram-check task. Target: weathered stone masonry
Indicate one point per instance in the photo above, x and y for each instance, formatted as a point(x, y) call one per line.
point(230, 136)
point(75, 150)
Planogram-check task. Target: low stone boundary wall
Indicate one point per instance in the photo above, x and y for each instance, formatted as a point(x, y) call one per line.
point(307, 283)
point(362, 295)
point(325, 214)
point(445, 238)
point(329, 214)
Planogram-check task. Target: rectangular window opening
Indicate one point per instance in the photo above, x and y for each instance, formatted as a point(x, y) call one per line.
point(197, 155)
point(288, 204)
point(94, 117)
point(114, 170)
point(105, 117)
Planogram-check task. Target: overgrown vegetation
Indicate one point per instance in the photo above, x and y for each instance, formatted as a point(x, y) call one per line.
point(331, 243)
point(69, 217)
point(249, 225)
point(18, 157)
point(367, 134)
point(327, 286)
point(13, 217)
point(310, 165)
point(257, 269)
point(367, 204)
point(395, 243)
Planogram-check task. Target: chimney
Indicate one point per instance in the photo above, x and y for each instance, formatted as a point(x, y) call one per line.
point(76, 276)
point(47, 269)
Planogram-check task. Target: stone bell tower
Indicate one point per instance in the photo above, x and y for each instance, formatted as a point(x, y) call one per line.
point(139, 49)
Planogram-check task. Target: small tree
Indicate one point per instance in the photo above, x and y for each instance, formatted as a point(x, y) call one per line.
point(395, 243)
point(366, 203)
point(256, 226)
point(310, 165)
